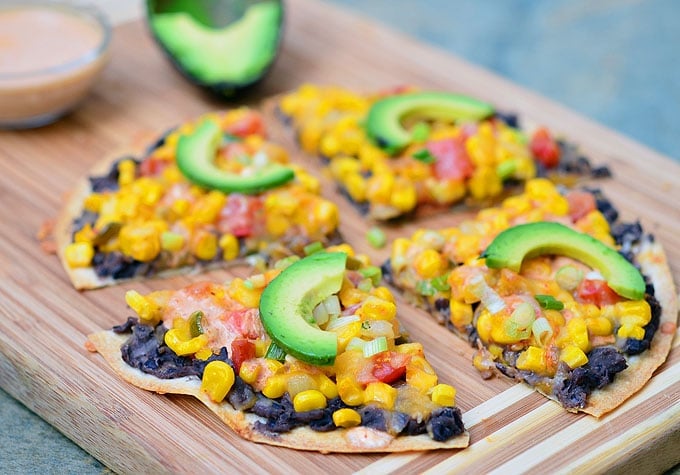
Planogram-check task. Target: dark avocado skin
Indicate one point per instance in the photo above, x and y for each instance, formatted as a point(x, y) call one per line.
point(195, 159)
point(287, 303)
point(524, 241)
point(226, 90)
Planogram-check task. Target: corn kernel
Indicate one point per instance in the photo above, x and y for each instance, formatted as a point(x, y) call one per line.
point(330, 145)
point(380, 394)
point(204, 354)
point(230, 246)
point(461, 313)
point(383, 293)
point(218, 378)
point(346, 333)
point(628, 330)
point(171, 241)
point(309, 400)
point(573, 356)
point(599, 326)
point(485, 183)
point(540, 189)
point(404, 197)
point(79, 254)
point(326, 386)
point(374, 308)
point(141, 242)
point(350, 391)
point(532, 359)
point(181, 347)
point(126, 172)
point(247, 297)
point(93, 202)
point(179, 208)
point(346, 417)
point(379, 187)
point(484, 325)
point(203, 244)
point(351, 296)
point(444, 395)
point(250, 370)
point(410, 349)
point(310, 136)
point(429, 263)
point(634, 312)
point(148, 312)
point(420, 379)
point(275, 387)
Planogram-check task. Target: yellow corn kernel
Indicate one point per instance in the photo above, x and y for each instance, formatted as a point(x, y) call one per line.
point(444, 395)
point(326, 386)
point(369, 154)
point(557, 205)
point(374, 308)
point(229, 245)
point(633, 312)
point(575, 333)
point(126, 172)
point(181, 347)
point(309, 400)
point(420, 379)
point(329, 145)
point(351, 296)
point(141, 242)
point(310, 136)
point(261, 347)
point(485, 183)
point(93, 202)
point(250, 370)
point(461, 313)
point(404, 197)
point(410, 349)
point(573, 356)
point(325, 214)
point(171, 241)
point(599, 326)
point(346, 333)
point(346, 417)
point(532, 359)
point(355, 185)
point(380, 394)
point(379, 187)
point(218, 378)
point(517, 204)
point(628, 330)
point(383, 293)
point(276, 386)
point(179, 208)
point(540, 189)
point(350, 391)
point(148, 312)
point(590, 310)
point(344, 247)
point(241, 293)
point(203, 244)
point(445, 191)
point(79, 254)
point(484, 325)
point(342, 167)
point(429, 263)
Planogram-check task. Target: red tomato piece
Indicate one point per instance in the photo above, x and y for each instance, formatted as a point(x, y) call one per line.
point(389, 366)
point(452, 161)
point(241, 350)
point(597, 292)
point(544, 148)
point(239, 215)
point(580, 204)
point(249, 124)
point(152, 166)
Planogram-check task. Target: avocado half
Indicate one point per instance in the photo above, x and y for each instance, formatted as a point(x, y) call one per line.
point(524, 241)
point(224, 59)
point(196, 160)
point(287, 303)
point(385, 118)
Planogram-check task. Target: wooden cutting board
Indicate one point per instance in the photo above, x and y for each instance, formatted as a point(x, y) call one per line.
point(44, 321)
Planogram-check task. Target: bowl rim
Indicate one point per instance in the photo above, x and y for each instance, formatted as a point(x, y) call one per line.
point(83, 10)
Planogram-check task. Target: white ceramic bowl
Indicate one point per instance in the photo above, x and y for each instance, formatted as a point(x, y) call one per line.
point(51, 53)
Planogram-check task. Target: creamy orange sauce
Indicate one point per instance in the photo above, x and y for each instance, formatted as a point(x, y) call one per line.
point(48, 60)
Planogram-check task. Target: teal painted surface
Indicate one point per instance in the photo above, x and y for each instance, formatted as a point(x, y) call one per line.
point(616, 61)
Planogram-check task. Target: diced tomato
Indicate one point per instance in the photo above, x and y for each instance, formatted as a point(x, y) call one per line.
point(152, 166)
point(241, 350)
point(597, 292)
point(580, 204)
point(249, 124)
point(239, 215)
point(544, 148)
point(452, 161)
point(389, 366)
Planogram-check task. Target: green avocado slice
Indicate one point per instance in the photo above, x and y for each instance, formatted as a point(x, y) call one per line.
point(384, 121)
point(287, 303)
point(195, 159)
point(524, 241)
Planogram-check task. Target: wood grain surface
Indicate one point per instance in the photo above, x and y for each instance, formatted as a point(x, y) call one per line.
point(44, 322)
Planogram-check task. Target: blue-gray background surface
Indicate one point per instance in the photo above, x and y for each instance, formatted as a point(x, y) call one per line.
point(617, 62)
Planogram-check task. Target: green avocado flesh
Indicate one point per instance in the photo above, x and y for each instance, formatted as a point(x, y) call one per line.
point(524, 241)
point(196, 160)
point(238, 54)
point(287, 303)
point(385, 118)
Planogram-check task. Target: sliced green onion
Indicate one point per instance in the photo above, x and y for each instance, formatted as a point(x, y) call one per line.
point(285, 262)
point(424, 287)
point(376, 328)
point(275, 352)
point(420, 132)
point(424, 156)
point(257, 281)
point(372, 272)
point(376, 237)
point(332, 304)
point(356, 344)
point(320, 314)
point(542, 331)
point(441, 283)
point(518, 325)
point(248, 284)
point(313, 248)
point(196, 324)
point(569, 277)
point(375, 346)
point(549, 302)
point(505, 169)
point(365, 285)
point(340, 322)
point(490, 299)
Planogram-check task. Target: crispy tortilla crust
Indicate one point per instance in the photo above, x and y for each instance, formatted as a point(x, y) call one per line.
point(354, 440)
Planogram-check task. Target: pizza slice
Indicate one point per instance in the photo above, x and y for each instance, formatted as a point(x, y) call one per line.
point(308, 355)
point(552, 290)
point(210, 192)
point(406, 151)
